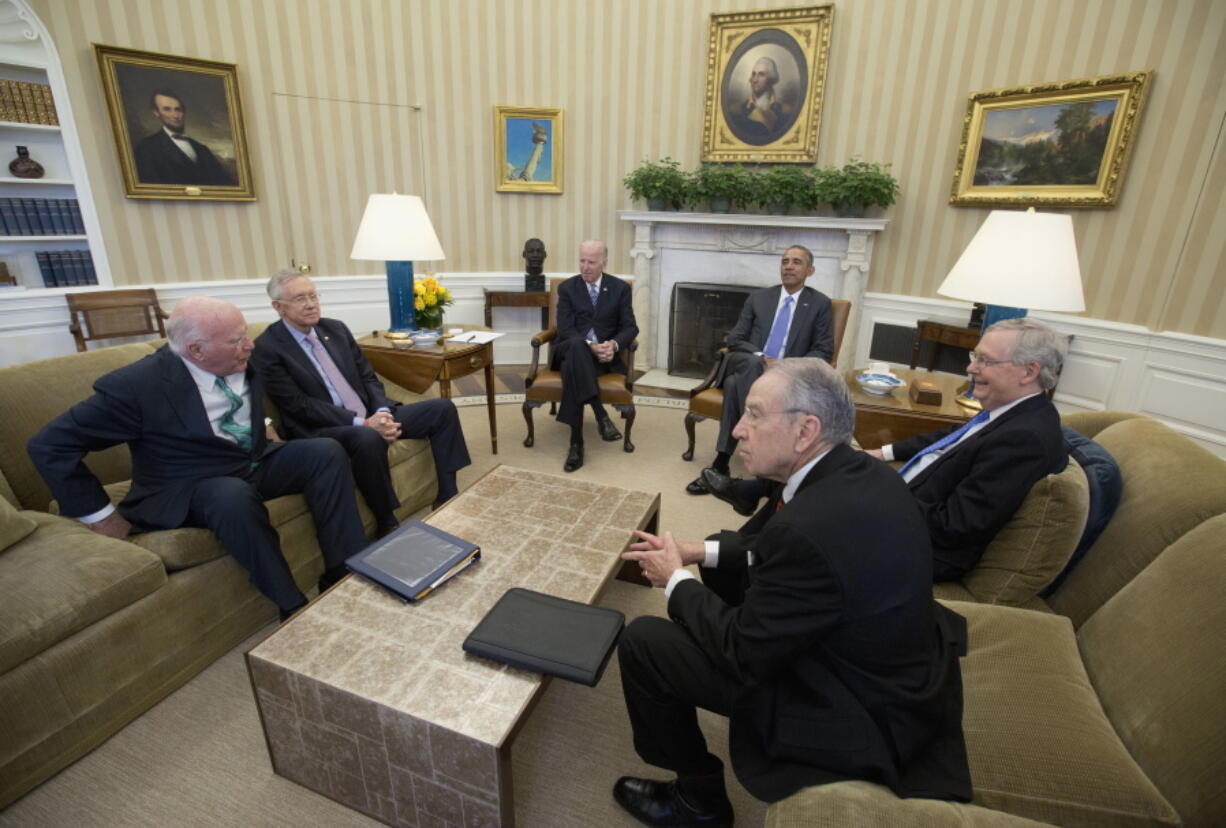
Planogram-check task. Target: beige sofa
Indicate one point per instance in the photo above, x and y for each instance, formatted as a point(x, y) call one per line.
point(1104, 705)
point(94, 631)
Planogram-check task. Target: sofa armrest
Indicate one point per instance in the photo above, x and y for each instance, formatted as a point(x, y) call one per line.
point(851, 804)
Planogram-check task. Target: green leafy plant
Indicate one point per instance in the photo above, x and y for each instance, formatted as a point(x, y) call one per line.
point(727, 182)
point(660, 183)
point(784, 186)
point(856, 186)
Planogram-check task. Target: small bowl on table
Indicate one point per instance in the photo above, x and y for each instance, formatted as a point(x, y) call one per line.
point(877, 383)
point(424, 339)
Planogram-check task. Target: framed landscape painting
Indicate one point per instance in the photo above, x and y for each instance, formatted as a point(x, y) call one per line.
point(528, 149)
point(178, 125)
point(766, 78)
point(1062, 144)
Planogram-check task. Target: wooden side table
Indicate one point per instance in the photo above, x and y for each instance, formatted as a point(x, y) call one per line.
point(418, 368)
point(892, 417)
point(941, 333)
point(516, 299)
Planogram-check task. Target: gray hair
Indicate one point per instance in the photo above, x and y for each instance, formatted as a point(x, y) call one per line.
point(1036, 342)
point(189, 318)
point(772, 70)
point(816, 388)
point(278, 281)
point(604, 248)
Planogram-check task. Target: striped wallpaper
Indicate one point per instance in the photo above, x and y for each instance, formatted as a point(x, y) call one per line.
point(348, 97)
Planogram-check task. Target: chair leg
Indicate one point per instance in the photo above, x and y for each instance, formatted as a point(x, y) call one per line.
point(527, 409)
point(628, 413)
point(690, 419)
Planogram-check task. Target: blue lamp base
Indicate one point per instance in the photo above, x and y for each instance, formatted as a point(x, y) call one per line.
point(400, 298)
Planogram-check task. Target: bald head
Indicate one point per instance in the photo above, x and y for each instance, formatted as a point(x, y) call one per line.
point(210, 333)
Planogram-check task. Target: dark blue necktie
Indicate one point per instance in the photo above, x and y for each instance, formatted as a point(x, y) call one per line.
point(947, 440)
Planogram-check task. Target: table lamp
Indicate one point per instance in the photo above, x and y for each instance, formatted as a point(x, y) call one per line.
point(395, 229)
point(1018, 261)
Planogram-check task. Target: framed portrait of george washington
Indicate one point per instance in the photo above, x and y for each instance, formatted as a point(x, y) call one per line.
point(178, 125)
point(1056, 144)
point(766, 78)
point(528, 149)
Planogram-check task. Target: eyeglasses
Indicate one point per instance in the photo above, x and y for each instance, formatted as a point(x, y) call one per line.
point(313, 298)
point(753, 416)
point(975, 356)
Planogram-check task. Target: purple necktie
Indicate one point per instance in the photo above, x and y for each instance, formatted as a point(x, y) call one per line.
point(349, 397)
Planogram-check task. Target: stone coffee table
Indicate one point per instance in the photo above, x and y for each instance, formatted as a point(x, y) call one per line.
point(371, 701)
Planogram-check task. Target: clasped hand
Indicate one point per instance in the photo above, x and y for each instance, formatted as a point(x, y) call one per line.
point(383, 422)
point(604, 351)
point(660, 556)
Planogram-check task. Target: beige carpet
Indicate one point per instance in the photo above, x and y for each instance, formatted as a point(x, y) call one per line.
point(199, 759)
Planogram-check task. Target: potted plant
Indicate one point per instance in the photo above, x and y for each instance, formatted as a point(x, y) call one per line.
point(661, 184)
point(857, 186)
point(784, 186)
point(723, 186)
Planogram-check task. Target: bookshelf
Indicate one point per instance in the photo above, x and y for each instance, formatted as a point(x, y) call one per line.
point(32, 211)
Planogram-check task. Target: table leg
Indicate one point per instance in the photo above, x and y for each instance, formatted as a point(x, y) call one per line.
point(489, 401)
point(444, 388)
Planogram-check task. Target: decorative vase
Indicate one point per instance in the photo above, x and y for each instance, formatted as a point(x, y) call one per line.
point(23, 166)
point(656, 204)
point(720, 204)
point(847, 209)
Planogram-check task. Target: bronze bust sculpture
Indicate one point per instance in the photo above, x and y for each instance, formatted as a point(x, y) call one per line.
point(534, 261)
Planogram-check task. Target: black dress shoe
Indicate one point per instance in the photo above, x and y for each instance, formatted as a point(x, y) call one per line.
point(608, 431)
point(660, 803)
point(697, 486)
point(574, 458)
point(724, 487)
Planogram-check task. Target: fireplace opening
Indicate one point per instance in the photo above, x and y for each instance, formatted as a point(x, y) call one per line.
point(700, 317)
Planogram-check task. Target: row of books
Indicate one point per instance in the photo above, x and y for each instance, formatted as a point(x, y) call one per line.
point(41, 217)
point(27, 103)
point(66, 268)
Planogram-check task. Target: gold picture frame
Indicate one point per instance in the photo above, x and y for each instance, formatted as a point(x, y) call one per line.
point(528, 148)
point(766, 78)
point(1055, 144)
point(178, 125)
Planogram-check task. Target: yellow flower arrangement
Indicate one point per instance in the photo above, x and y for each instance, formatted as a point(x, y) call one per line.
point(429, 299)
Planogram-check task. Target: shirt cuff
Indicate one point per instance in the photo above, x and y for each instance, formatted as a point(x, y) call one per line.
point(711, 554)
point(103, 513)
point(887, 452)
point(358, 421)
point(677, 577)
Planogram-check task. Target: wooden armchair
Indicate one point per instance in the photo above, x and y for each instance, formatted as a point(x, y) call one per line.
point(545, 386)
point(107, 314)
point(707, 400)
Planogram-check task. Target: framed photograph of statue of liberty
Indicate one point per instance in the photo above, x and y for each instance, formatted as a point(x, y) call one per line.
point(1057, 144)
point(527, 149)
point(766, 77)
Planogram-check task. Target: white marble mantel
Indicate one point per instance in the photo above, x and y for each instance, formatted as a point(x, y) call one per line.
point(741, 249)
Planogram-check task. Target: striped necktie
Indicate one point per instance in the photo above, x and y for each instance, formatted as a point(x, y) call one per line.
point(594, 295)
point(240, 433)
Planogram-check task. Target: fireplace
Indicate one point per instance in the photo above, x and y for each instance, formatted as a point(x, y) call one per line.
point(700, 316)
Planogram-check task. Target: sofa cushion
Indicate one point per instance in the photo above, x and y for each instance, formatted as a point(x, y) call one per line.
point(1033, 547)
point(1039, 744)
point(62, 578)
point(13, 525)
point(842, 804)
point(1171, 485)
point(1156, 652)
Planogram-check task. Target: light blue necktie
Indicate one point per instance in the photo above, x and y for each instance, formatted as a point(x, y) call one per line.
point(947, 440)
point(779, 331)
point(240, 433)
point(594, 294)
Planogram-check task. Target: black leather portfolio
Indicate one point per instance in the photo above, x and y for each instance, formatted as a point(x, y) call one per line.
point(547, 634)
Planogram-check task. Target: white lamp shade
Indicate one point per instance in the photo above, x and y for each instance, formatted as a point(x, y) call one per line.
point(1020, 260)
point(395, 228)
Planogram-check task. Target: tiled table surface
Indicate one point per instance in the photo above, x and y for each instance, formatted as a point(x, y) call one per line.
point(372, 702)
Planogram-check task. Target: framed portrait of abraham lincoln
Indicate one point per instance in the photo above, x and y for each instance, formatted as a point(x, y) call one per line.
point(766, 78)
point(178, 125)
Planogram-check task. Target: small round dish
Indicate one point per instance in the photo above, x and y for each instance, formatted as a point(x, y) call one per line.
point(424, 339)
point(879, 384)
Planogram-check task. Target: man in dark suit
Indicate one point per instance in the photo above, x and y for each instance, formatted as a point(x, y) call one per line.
point(813, 628)
point(324, 386)
point(192, 415)
point(969, 487)
point(169, 156)
point(595, 320)
point(789, 320)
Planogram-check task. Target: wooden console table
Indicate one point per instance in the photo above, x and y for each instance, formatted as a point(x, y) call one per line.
point(516, 299)
point(418, 368)
point(893, 417)
point(941, 333)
